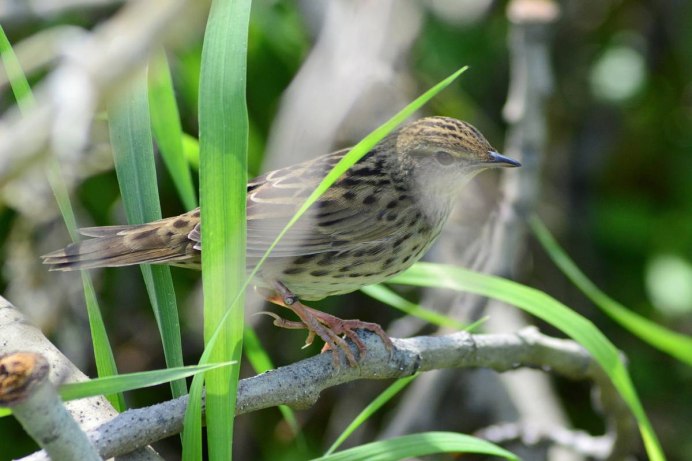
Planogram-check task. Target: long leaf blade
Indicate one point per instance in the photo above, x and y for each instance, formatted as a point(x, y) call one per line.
point(103, 353)
point(410, 446)
point(131, 381)
point(130, 129)
point(675, 344)
point(165, 123)
point(551, 311)
point(223, 130)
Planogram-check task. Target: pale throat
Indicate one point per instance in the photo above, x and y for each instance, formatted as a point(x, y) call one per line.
point(436, 196)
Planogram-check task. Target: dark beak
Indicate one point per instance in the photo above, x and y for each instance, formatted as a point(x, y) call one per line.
point(500, 160)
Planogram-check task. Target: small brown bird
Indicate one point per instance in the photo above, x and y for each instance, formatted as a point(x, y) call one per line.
point(378, 219)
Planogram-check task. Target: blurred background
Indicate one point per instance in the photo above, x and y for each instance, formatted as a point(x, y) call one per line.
point(608, 99)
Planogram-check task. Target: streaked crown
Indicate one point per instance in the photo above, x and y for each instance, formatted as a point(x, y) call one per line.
point(449, 141)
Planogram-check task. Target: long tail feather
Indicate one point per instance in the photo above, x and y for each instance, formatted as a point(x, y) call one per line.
point(164, 242)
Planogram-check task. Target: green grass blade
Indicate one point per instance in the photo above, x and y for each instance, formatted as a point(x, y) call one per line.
point(165, 123)
point(549, 310)
point(223, 129)
point(130, 130)
point(388, 296)
point(358, 151)
point(675, 344)
point(15, 74)
point(103, 354)
point(191, 150)
point(410, 446)
point(370, 410)
point(192, 442)
point(131, 381)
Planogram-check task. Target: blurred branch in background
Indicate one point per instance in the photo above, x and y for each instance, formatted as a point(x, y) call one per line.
point(353, 79)
point(22, 10)
point(528, 396)
point(82, 75)
point(531, 83)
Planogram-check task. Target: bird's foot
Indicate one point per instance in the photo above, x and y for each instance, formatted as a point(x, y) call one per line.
point(290, 325)
point(347, 328)
point(328, 327)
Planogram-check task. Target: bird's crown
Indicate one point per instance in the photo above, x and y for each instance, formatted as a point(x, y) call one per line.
point(448, 141)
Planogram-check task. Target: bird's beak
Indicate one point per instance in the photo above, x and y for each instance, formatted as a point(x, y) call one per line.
point(497, 159)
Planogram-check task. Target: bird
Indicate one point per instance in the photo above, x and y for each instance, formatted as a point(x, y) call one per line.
point(374, 222)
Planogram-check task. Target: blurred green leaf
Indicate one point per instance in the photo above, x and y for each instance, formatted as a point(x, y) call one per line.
point(387, 296)
point(370, 410)
point(165, 122)
point(15, 74)
point(260, 361)
point(549, 310)
point(133, 153)
point(103, 353)
point(670, 342)
point(426, 443)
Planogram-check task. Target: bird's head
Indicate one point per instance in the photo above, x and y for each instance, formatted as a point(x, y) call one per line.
point(448, 150)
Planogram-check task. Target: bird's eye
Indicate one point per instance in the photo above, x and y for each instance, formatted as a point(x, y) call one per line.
point(444, 158)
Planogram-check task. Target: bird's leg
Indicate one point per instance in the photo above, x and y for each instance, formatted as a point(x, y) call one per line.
point(347, 327)
point(290, 325)
point(287, 299)
point(327, 327)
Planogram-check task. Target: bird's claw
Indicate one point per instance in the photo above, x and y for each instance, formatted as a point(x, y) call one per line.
point(282, 322)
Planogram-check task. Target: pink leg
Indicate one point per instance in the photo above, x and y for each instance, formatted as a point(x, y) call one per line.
point(326, 326)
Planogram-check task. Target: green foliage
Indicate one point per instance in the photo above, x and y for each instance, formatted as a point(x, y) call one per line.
point(427, 443)
point(223, 134)
point(130, 129)
point(675, 344)
point(541, 305)
point(618, 183)
point(103, 354)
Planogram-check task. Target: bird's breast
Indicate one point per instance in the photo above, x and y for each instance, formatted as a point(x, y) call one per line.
point(318, 275)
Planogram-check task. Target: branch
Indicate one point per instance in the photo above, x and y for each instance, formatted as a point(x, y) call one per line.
point(18, 334)
point(299, 385)
point(91, 69)
point(26, 389)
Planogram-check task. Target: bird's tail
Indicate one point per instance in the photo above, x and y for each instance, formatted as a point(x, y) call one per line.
point(165, 242)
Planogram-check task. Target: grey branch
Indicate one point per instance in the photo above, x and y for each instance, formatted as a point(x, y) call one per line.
point(37, 406)
point(299, 385)
point(18, 334)
point(86, 75)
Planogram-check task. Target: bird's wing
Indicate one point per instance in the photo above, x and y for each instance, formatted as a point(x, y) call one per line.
point(350, 213)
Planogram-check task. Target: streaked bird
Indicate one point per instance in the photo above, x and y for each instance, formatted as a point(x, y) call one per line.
point(379, 218)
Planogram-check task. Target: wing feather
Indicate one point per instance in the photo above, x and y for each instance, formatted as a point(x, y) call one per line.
point(349, 214)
